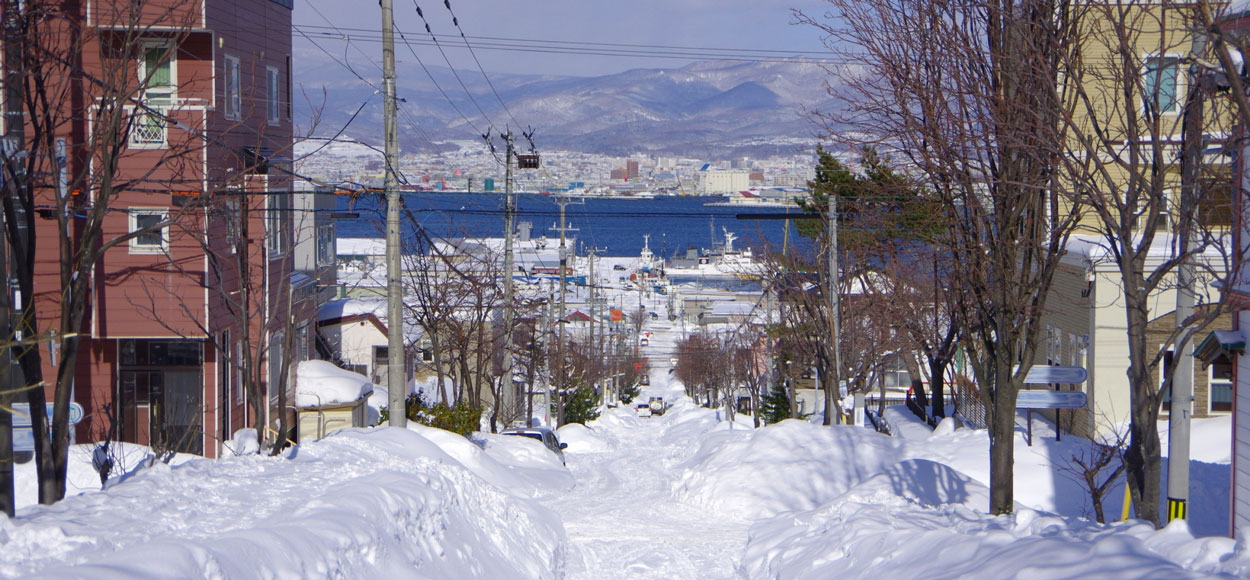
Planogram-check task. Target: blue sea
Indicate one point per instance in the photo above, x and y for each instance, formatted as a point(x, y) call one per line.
point(615, 226)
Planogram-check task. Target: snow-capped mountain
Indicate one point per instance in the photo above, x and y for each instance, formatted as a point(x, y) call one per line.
point(706, 108)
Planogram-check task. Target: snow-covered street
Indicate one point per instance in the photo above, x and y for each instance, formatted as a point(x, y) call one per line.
point(683, 495)
point(623, 518)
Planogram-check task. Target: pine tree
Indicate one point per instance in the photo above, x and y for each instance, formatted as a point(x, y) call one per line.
point(582, 406)
point(775, 406)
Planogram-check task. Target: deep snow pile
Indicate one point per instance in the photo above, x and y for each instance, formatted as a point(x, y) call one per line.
point(847, 502)
point(360, 503)
point(322, 383)
point(787, 466)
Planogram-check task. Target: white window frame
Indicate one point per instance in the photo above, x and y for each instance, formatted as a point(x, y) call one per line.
point(232, 99)
point(230, 211)
point(138, 247)
point(1181, 82)
point(279, 204)
point(139, 130)
point(172, 87)
point(325, 246)
point(1212, 382)
point(156, 100)
point(273, 94)
point(276, 353)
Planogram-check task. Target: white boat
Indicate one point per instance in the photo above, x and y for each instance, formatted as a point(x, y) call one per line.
point(721, 262)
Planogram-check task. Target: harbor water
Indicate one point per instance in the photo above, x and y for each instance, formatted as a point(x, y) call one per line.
point(616, 227)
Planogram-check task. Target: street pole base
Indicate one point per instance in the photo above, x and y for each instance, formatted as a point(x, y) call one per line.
point(1178, 509)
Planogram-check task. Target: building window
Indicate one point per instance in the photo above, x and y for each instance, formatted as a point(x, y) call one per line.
point(1161, 85)
point(157, 78)
point(381, 358)
point(272, 93)
point(152, 237)
point(289, 88)
point(325, 246)
point(1221, 384)
point(233, 100)
point(276, 220)
point(276, 359)
point(147, 127)
point(230, 213)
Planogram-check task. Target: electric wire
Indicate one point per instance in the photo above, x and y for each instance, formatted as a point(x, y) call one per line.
point(454, 73)
point(330, 140)
point(438, 86)
point(614, 49)
point(412, 123)
point(456, 22)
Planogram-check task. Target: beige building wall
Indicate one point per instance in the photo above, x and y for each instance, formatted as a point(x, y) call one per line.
point(714, 181)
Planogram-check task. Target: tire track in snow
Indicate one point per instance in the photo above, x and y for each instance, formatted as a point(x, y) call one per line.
point(624, 521)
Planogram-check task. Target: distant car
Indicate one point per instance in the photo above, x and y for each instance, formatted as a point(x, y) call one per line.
point(618, 267)
point(543, 434)
point(642, 410)
point(644, 341)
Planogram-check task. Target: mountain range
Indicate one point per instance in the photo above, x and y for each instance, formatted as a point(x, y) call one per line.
point(709, 109)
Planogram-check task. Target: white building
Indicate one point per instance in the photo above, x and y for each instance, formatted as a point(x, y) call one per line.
point(710, 181)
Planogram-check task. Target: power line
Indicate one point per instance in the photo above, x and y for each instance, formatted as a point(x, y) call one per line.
point(490, 125)
point(456, 22)
point(611, 49)
point(345, 63)
point(578, 46)
point(429, 74)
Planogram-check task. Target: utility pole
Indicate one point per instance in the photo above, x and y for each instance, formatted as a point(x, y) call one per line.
point(591, 282)
point(509, 208)
point(833, 389)
point(1182, 399)
point(14, 136)
point(564, 260)
point(395, 375)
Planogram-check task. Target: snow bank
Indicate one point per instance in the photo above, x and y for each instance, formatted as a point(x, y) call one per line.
point(81, 476)
point(904, 423)
point(583, 439)
point(360, 503)
point(784, 467)
point(321, 383)
point(882, 529)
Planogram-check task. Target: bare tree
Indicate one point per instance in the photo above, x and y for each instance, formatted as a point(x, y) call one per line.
point(73, 173)
point(1088, 463)
point(966, 93)
point(1161, 222)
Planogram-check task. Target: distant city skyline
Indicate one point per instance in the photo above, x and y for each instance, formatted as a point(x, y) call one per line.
point(568, 37)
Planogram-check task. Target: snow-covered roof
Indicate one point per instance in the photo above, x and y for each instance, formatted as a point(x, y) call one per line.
point(1093, 249)
point(360, 246)
point(732, 308)
point(348, 307)
point(319, 383)
point(371, 306)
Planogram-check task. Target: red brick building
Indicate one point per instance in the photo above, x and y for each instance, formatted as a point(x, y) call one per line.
point(199, 290)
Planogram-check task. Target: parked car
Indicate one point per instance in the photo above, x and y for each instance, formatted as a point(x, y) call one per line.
point(542, 434)
point(618, 267)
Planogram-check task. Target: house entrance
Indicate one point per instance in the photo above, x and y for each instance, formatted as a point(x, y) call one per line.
point(161, 394)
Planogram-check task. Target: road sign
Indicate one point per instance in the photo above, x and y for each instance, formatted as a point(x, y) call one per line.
point(21, 414)
point(23, 437)
point(1046, 399)
point(1048, 374)
point(23, 440)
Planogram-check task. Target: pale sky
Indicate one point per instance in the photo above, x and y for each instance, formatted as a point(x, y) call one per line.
point(740, 25)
